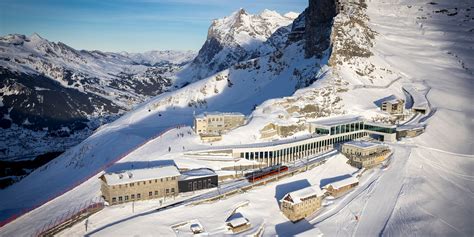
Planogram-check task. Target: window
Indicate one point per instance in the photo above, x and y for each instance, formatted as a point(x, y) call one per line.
point(161, 179)
point(138, 183)
point(150, 194)
point(139, 196)
point(114, 199)
point(167, 191)
point(132, 196)
point(173, 178)
point(144, 182)
point(156, 193)
point(172, 190)
point(132, 184)
point(126, 198)
point(149, 181)
point(190, 186)
point(156, 180)
point(166, 178)
point(120, 199)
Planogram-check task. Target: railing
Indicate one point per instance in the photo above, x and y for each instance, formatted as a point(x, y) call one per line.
point(100, 169)
point(89, 207)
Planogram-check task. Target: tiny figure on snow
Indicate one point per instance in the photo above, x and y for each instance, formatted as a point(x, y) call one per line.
point(169, 149)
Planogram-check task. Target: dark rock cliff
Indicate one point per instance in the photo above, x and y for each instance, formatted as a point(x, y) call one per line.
point(318, 24)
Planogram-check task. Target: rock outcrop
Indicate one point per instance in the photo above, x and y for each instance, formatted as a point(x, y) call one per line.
point(318, 25)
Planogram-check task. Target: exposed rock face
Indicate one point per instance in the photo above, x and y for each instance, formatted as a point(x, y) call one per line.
point(238, 37)
point(318, 24)
point(352, 38)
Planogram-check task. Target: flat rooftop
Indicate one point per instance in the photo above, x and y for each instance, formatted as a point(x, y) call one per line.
point(197, 173)
point(345, 119)
point(216, 113)
point(362, 144)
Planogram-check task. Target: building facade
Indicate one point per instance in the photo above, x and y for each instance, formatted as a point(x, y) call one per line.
point(139, 184)
point(300, 204)
point(365, 154)
point(395, 106)
point(217, 123)
point(341, 187)
point(197, 179)
point(325, 135)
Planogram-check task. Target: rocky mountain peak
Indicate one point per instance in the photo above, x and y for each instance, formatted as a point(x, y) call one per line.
point(240, 36)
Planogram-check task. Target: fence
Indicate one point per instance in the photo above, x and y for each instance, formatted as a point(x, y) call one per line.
point(100, 169)
point(83, 210)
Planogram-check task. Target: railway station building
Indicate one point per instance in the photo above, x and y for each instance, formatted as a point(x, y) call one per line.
point(325, 135)
point(139, 184)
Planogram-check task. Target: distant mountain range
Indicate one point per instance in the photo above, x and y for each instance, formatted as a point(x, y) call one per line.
point(53, 96)
point(49, 89)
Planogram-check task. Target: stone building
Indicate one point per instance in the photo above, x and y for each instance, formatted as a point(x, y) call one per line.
point(395, 106)
point(216, 123)
point(139, 184)
point(339, 188)
point(300, 204)
point(238, 223)
point(365, 154)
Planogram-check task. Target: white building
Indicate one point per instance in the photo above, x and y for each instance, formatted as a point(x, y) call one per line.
point(216, 123)
point(326, 133)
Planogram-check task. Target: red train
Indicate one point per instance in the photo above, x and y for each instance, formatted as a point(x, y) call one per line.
point(265, 172)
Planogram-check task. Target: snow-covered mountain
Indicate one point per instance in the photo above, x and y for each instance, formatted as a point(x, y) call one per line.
point(239, 37)
point(52, 96)
point(375, 48)
point(161, 57)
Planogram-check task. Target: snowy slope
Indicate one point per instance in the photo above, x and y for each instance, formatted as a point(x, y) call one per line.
point(161, 57)
point(427, 189)
point(53, 96)
point(269, 76)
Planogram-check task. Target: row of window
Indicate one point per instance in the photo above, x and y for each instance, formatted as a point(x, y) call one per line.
point(144, 182)
point(196, 185)
point(296, 149)
point(344, 128)
point(379, 129)
point(139, 196)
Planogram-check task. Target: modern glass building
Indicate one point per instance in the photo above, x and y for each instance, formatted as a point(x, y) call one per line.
point(325, 134)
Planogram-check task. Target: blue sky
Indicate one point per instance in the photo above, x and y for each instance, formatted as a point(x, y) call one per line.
point(127, 25)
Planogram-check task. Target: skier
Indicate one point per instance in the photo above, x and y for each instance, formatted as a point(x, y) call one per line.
point(169, 149)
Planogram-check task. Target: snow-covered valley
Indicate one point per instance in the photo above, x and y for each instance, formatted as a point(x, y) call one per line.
point(427, 189)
